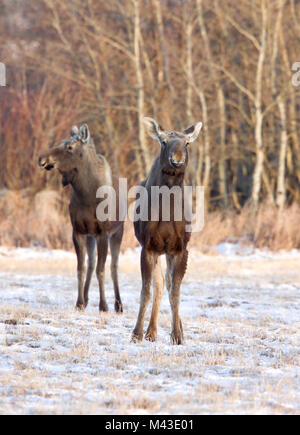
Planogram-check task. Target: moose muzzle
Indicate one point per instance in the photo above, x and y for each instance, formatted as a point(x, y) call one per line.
point(45, 163)
point(177, 160)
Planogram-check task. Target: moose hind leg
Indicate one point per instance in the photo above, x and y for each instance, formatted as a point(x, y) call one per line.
point(115, 245)
point(158, 287)
point(79, 241)
point(102, 248)
point(169, 272)
point(91, 250)
point(148, 261)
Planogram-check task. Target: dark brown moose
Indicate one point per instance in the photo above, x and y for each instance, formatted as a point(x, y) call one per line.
point(159, 236)
point(79, 164)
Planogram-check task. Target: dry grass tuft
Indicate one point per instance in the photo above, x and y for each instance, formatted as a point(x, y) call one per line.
point(34, 220)
point(269, 228)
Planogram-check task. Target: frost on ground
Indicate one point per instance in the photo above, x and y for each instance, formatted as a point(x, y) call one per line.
point(241, 353)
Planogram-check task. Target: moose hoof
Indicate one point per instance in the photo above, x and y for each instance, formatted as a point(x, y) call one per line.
point(151, 335)
point(136, 338)
point(103, 307)
point(118, 307)
point(176, 338)
point(80, 307)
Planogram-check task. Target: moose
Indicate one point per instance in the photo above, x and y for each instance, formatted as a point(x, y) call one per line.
point(159, 236)
point(80, 166)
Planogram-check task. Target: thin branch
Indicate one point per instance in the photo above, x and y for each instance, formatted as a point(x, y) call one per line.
point(235, 81)
point(244, 32)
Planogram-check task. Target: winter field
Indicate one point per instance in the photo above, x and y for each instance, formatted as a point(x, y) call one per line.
point(240, 313)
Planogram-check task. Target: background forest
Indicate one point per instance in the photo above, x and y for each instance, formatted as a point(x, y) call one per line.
point(226, 63)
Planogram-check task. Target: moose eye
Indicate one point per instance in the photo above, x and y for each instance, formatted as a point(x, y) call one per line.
point(164, 142)
point(70, 148)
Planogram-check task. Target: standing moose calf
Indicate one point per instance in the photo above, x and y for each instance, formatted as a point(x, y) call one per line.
point(159, 236)
point(80, 165)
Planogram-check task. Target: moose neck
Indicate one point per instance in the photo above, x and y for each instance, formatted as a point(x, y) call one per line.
point(169, 176)
point(87, 178)
point(172, 177)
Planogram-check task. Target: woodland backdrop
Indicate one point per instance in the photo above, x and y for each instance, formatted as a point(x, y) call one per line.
point(110, 63)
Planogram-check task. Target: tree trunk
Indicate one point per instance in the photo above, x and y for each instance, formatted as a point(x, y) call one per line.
point(257, 176)
point(281, 190)
point(164, 75)
point(206, 176)
point(222, 160)
point(142, 154)
point(221, 102)
point(189, 62)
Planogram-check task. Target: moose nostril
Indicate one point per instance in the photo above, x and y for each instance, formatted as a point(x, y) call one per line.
point(177, 161)
point(42, 162)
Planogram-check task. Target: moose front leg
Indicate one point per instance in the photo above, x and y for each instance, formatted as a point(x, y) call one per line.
point(79, 241)
point(178, 265)
point(91, 251)
point(148, 261)
point(158, 287)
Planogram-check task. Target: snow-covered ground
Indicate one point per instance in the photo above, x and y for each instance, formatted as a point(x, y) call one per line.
point(241, 319)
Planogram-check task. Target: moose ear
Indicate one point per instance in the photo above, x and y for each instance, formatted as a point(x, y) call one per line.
point(74, 131)
point(193, 131)
point(84, 133)
point(153, 129)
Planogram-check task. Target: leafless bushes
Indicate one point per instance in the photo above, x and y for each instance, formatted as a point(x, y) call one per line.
point(29, 219)
point(109, 63)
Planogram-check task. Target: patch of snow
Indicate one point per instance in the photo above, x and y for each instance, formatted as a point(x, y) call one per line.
point(240, 352)
point(36, 253)
point(238, 250)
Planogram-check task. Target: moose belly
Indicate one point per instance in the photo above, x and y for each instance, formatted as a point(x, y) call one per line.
point(85, 223)
point(87, 226)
